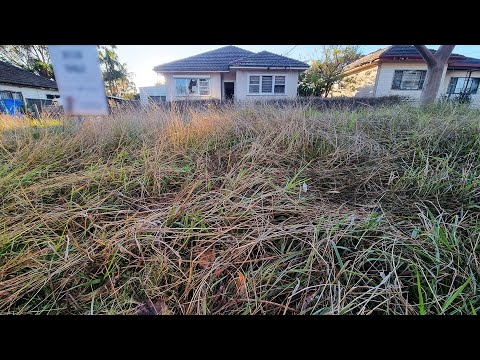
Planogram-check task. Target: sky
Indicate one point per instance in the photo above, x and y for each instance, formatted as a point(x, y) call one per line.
point(141, 59)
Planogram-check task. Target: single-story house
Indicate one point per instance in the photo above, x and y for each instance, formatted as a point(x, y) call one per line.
point(232, 73)
point(400, 70)
point(156, 94)
point(22, 85)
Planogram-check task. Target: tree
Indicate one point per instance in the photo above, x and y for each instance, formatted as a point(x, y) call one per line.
point(36, 59)
point(435, 67)
point(115, 74)
point(33, 58)
point(327, 69)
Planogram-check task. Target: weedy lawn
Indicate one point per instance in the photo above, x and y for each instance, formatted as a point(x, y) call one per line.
point(242, 210)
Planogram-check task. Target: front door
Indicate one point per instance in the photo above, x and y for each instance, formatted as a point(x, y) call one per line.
point(229, 89)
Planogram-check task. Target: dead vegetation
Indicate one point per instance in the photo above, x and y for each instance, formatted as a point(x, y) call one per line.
point(242, 210)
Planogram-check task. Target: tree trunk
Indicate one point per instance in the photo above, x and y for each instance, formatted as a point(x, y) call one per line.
point(435, 65)
point(432, 84)
point(327, 90)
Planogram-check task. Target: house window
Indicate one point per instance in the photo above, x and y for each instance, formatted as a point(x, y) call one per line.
point(279, 85)
point(192, 86)
point(266, 84)
point(204, 87)
point(463, 85)
point(181, 86)
point(254, 85)
point(12, 95)
point(408, 79)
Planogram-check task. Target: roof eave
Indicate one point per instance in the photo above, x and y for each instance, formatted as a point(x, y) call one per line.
point(187, 71)
point(412, 57)
point(270, 67)
point(29, 86)
point(472, 67)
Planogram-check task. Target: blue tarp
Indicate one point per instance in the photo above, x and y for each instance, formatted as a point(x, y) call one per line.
point(11, 107)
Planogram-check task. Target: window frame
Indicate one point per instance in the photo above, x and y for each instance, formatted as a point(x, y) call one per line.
point(284, 84)
point(401, 80)
point(187, 80)
point(12, 95)
point(456, 82)
point(260, 84)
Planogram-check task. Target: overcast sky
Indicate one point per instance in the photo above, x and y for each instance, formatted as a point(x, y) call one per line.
point(141, 59)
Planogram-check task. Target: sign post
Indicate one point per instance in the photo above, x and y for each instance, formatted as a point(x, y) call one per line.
point(79, 79)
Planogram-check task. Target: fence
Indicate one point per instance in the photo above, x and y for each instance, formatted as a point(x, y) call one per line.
point(313, 102)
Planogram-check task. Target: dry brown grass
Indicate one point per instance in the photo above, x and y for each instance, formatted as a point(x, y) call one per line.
point(204, 212)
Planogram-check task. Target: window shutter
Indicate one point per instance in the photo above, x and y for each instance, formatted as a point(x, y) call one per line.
point(267, 82)
point(254, 84)
point(397, 79)
point(423, 74)
point(279, 87)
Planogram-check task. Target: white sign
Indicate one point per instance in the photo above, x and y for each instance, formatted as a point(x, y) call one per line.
point(79, 79)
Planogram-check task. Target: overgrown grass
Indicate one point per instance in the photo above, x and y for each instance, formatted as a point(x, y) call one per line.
point(242, 210)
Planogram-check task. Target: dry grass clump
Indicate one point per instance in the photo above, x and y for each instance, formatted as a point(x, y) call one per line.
point(242, 210)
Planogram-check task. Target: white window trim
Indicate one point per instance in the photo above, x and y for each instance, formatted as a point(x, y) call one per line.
point(260, 93)
point(259, 84)
point(177, 77)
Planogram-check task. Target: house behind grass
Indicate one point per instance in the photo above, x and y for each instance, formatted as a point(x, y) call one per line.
point(23, 87)
point(232, 73)
point(401, 70)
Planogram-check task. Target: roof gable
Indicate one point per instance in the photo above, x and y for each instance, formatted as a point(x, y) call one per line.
point(268, 59)
point(367, 59)
point(214, 60)
point(10, 74)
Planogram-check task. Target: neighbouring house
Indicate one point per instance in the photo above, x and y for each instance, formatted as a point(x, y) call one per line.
point(155, 94)
point(232, 73)
point(400, 70)
point(18, 85)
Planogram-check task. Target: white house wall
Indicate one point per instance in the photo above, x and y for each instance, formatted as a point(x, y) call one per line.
point(241, 85)
point(28, 92)
point(215, 85)
point(229, 76)
point(385, 79)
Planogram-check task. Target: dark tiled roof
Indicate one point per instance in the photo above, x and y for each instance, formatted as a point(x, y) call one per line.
point(215, 60)
point(10, 74)
point(465, 62)
point(367, 59)
point(409, 51)
point(268, 59)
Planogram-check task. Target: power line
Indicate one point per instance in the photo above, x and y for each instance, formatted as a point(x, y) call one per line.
point(288, 52)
